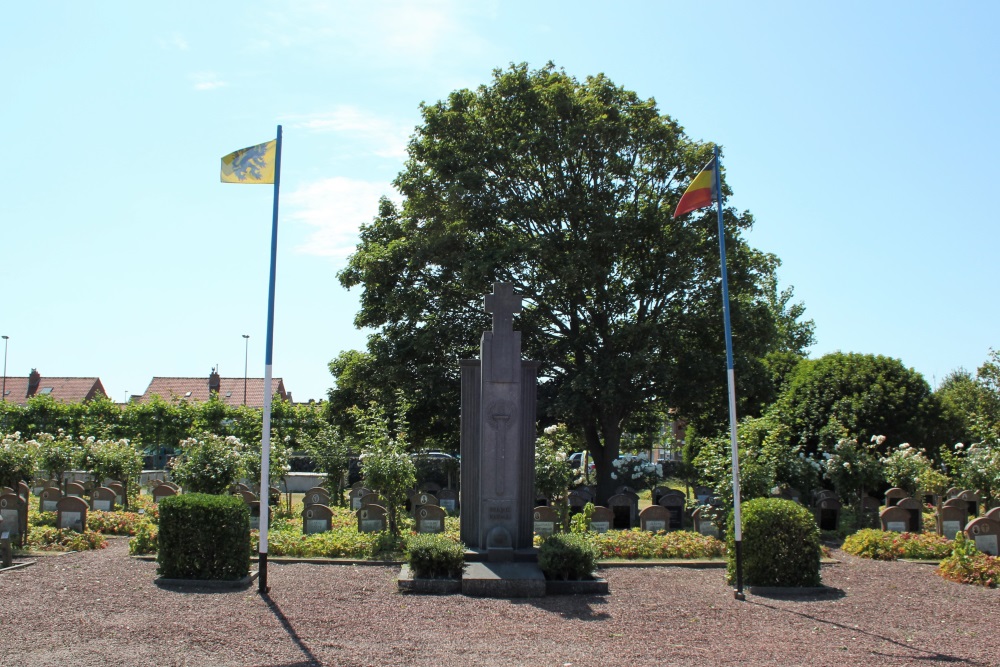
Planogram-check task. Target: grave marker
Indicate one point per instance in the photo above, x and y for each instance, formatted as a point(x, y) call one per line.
point(704, 521)
point(545, 520)
point(71, 513)
point(371, 519)
point(674, 503)
point(828, 513)
point(655, 518)
point(625, 510)
point(430, 519)
point(103, 499)
point(119, 490)
point(48, 498)
point(316, 496)
point(449, 500)
point(163, 491)
point(75, 489)
point(316, 519)
point(916, 511)
point(14, 511)
point(355, 496)
point(602, 520)
point(418, 500)
point(894, 495)
point(895, 519)
point(972, 498)
point(951, 519)
point(984, 531)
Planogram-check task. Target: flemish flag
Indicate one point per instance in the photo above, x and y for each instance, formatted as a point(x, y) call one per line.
point(250, 165)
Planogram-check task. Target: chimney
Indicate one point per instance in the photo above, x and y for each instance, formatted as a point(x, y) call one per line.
point(34, 379)
point(214, 382)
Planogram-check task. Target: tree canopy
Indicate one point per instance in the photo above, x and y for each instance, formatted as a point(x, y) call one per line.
point(861, 395)
point(566, 190)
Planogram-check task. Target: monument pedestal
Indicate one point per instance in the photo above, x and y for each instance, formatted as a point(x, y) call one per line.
point(503, 580)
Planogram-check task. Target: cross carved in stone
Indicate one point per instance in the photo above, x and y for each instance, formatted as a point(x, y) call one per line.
point(503, 303)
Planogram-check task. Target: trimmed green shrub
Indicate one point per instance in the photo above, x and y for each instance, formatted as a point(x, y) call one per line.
point(567, 556)
point(144, 540)
point(435, 557)
point(780, 544)
point(203, 537)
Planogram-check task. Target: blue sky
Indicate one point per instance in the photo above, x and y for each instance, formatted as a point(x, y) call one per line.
point(860, 135)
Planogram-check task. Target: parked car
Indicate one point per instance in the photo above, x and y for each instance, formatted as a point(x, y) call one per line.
point(576, 458)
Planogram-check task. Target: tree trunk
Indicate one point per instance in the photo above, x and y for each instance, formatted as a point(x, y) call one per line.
point(604, 451)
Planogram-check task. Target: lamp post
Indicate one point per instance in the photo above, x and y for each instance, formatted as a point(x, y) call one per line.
point(246, 350)
point(3, 393)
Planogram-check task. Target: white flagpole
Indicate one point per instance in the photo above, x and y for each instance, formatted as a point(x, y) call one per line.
point(265, 444)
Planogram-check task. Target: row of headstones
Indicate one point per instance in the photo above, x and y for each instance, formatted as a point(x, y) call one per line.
point(70, 507)
point(428, 494)
point(428, 511)
point(653, 519)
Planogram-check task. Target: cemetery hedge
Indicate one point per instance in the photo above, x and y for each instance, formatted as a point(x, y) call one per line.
point(887, 545)
point(567, 556)
point(435, 556)
point(781, 544)
point(203, 536)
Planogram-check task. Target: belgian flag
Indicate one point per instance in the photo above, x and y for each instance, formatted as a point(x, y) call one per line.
point(701, 192)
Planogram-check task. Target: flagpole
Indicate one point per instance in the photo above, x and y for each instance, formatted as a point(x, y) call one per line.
point(265, 444)
point(731, 379)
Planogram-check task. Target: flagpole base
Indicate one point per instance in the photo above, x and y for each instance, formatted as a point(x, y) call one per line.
point(740, 595)
point(262, 586)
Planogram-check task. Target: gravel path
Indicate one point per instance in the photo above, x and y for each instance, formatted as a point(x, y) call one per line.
point(102, 608)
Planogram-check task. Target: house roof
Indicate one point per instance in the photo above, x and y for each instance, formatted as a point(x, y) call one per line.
point(62, 389)
point(196, 389)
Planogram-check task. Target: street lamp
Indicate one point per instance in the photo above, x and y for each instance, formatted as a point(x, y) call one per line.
point(246, 350)
point(3, 393)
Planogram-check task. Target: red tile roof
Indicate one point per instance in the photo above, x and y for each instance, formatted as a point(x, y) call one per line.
point(64, 390)
point(197, 390)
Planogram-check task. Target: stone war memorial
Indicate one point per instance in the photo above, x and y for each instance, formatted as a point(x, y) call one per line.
point(498, 458)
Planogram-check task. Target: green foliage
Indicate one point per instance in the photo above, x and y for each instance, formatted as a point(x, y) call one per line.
point(638, 544)
point(118, 460)
point(144, 540)
point(909, 468)
point(853, 467)
point(967, 565)
point(565, 189)
point(567, 556)
point(50, 538)
point(887, 545)
point(210, 464)
point(17, 459)
point(553, 472)
point(435, 556)
point(976, 467)
point(56, 454)
point(865, 394)
point(580, 522)
point(115, 523)
point(385, 466)
point(781, 544)
point(331, 453)
point(203, 536)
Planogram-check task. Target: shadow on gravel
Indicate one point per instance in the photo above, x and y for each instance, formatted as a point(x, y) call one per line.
point(825, 594)
point(923, 654)
point(570, 607)
point(311, 660)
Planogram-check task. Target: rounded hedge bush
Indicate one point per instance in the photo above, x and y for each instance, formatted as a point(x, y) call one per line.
point(432, 556)
point(781, 544)
point(567, 556)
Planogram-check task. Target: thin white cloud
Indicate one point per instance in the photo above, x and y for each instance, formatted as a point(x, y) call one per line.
point(384, 137)
point(207, 81)
point(175, 41)
point(335, 208)
point(400, 34)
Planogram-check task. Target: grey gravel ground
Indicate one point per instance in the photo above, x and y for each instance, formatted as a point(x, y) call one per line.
point(102, 608)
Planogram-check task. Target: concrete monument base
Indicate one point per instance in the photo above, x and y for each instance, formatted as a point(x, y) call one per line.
point(503, 580)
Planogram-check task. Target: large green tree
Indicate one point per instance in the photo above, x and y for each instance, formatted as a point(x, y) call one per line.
point(564, 189)
point(862, 395)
